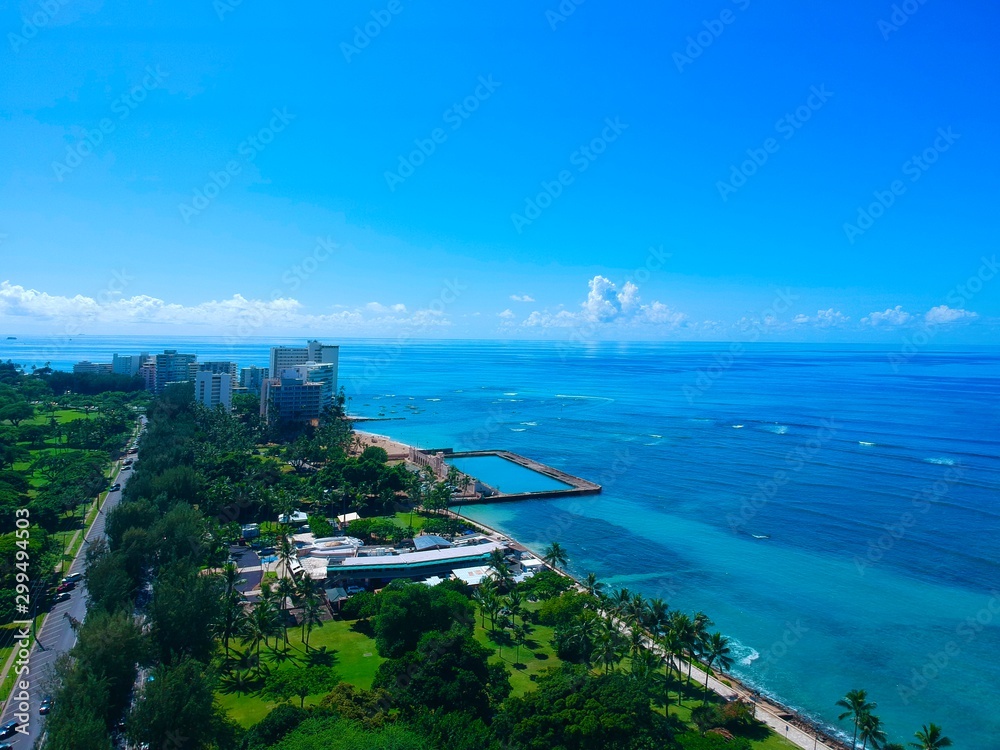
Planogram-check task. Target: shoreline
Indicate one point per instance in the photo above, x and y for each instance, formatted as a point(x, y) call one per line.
point(781, 719)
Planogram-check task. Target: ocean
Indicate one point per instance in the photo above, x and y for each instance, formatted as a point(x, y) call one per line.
point(834, 509)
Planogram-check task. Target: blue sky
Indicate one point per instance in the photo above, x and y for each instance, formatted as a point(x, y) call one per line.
point(697, 171)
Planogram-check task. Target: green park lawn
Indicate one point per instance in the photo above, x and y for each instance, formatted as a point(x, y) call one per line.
point(356, 664)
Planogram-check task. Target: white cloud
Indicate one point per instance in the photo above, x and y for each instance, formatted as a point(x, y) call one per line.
point(895, 316)
point(236, 314)
point(377, 307)
point(606, 304)
point(943, 315)
point(522, 298)
point(823, 319)
point(506, 314)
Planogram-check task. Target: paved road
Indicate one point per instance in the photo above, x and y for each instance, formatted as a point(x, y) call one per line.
point(56, 635)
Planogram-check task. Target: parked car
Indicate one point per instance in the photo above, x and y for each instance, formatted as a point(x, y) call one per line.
point(45, 706)
point(8, 729)
point(6, 746)
point(114, 488)
point(355, 589)
point(62, 596)
point(73, 578)
point(68, 586)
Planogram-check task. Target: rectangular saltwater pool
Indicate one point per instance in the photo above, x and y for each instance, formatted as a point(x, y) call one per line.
point(506, 476)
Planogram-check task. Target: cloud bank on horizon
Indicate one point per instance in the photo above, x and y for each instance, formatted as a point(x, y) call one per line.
point(608, 311)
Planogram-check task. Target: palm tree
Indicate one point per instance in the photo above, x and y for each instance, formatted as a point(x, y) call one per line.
point(857, 704)
point(671, 646)
point(620, 600)
point(286, 591)
point(635, 611)
point(229, 622)
point(716, 650)
point(555, 555)
point(520, 635)
point(656, 615)
point(930, 738)
point(609, 650)
point(687, 638)
point(312, 612)
point(585, 633)
point(870, 730)
point(260, 625)
point(593, 586)
point(515, 605)
point(286, 553)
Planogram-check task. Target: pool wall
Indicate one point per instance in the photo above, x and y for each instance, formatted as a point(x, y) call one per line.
point(577, 486)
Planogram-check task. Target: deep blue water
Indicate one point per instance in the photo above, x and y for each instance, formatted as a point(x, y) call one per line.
point(837, 515)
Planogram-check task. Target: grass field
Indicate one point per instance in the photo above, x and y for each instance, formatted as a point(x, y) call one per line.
point(356, 663)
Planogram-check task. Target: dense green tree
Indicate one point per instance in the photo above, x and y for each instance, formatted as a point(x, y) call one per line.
point(284, 684)
point(408, 610)
point(176, 708)
point(273, 727)
point(573, 710)
point(185, 604)
point(447, 672)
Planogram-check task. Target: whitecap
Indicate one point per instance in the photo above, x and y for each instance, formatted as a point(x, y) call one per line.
point(777, 429)
point(867, 444)
point(941, 461)
point(737, 427)
point(432, 399)
point(513, 393)
point(517, 429)
point(588, 398)
point(656, 436)
point(530, 424)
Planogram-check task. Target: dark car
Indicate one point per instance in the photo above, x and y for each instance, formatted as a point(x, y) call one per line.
point(115, 487)
point(68, 586)
point(8, 729)
point(45, 706)
point(6, 746)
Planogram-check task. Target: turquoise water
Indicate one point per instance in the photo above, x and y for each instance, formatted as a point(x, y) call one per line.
point(506, 476)
point(836, 515)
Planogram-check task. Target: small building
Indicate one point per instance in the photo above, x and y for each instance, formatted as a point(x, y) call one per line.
point(390, 565)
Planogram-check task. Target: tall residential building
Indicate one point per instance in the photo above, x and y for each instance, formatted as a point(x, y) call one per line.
point(86, 367)
point(214, 389)
point(291, 398)
point(252, 378)
point(147, 371)
point(172, 367)
point(227, 367)
point(126, 364)
point(290, 356)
